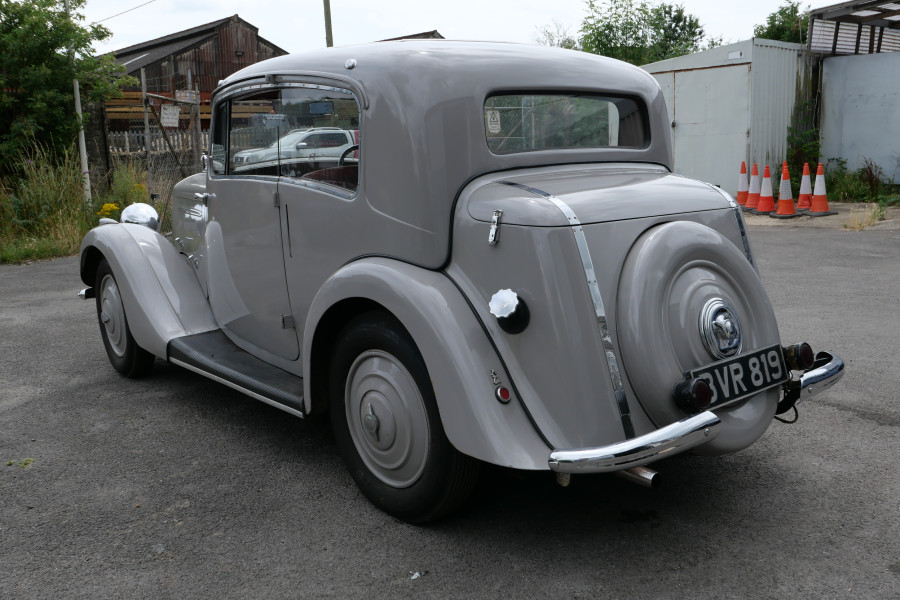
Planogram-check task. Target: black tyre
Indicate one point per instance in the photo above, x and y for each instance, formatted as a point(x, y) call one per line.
point(126, 356)
point(386, 423)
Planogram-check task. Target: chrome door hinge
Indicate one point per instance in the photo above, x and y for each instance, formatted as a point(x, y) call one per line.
point(494, 235)
point(287, 322)
point(276, 199)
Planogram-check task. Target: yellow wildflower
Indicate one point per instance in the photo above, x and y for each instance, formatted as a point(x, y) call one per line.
point(108, 209)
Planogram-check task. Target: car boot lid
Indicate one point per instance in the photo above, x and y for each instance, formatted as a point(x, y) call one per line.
point(595, 193)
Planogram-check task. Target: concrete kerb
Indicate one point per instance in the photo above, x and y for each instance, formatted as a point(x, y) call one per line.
point(844, 210)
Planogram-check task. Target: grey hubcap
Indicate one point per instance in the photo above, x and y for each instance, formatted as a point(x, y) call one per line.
point(387, 419)
point(112, 315)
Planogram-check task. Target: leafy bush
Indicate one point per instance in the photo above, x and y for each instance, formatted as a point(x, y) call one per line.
point(844, 185)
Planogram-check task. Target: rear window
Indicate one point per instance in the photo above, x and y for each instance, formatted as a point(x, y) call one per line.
point(526, 122)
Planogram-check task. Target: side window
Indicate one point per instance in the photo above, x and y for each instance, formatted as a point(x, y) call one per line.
point(255, 133)
point(306, 134)
point(328, 120)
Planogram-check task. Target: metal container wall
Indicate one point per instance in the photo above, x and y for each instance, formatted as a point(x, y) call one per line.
point(730, 104)
point(777, 82)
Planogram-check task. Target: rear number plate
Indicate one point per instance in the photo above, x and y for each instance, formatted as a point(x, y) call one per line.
point(744, 375)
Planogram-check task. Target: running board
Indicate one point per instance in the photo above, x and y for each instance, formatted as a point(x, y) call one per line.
point(213, 355)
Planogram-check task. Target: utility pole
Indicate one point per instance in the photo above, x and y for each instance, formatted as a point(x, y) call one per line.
point(82, 151)
point(148, 143)
point(328, 41)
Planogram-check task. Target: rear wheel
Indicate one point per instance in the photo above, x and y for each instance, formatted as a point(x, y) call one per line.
point(126, 356)
point(387, 426)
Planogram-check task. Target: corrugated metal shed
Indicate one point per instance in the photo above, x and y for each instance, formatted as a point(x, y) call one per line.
point(730, 104)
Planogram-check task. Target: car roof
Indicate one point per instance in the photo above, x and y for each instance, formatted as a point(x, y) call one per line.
point(422, 127)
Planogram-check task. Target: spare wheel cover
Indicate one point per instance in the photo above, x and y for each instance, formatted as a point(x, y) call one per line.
point(670, 273)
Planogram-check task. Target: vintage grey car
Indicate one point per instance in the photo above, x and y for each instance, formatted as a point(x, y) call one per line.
point(509, 273)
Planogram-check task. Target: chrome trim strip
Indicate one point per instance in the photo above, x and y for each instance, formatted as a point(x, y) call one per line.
point(826, 371)
point(739, 216)
point(599, 309)
point(235, 386)
point(666, 441)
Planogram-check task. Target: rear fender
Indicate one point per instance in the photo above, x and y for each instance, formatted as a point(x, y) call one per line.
point(160, 292)
point(457, 353)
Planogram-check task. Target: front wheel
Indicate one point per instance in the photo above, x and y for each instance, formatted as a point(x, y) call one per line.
point(386, 423)
point(126, 356)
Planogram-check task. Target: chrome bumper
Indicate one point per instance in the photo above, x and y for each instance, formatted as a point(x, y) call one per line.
point(669, 440)
point(826, 371)
point(687, 433)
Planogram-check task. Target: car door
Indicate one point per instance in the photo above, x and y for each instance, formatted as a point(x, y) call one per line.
point(318, 195)
point(246, 271)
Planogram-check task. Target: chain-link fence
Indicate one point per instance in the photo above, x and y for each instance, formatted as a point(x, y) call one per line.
point(164, 134)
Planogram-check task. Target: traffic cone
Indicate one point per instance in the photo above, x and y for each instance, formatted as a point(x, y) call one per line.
point(753, 194)
point(742, 185)
point(785, 199)
point(804, 200)
point(819, 206)
point(766, 199)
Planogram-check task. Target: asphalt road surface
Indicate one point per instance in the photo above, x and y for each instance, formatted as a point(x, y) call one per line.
point(177, 487)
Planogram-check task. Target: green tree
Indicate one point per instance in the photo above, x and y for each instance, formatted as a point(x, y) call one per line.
point(618, 29)
point(639, 32)
point(557, 34)
point(673, 32)
point(786, 24)
point(41, 50)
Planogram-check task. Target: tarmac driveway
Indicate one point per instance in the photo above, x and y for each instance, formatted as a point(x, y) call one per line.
point(174, 487)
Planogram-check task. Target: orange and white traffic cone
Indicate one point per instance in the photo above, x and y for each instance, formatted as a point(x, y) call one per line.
point(742, 185)
point(819, 206)
point(804, 200)
point(753, 193)
point(766, 199)
point(785, 198)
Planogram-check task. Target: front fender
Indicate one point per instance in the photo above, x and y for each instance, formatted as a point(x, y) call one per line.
point(160, 292)
point(456, 350)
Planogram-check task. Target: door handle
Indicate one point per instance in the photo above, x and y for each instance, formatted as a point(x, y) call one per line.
point(202, 198)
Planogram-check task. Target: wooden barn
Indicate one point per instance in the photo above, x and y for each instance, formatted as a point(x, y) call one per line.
point(197, 57)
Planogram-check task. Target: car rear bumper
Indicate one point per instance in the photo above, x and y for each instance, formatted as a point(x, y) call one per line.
point(687, 433)
point(669, 440)
point(825, 372)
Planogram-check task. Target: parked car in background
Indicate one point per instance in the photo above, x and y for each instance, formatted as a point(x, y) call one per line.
point(320, 144)
point(508, 273)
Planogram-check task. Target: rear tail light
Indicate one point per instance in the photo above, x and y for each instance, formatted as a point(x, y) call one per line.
point(693, 395)
point(799, 357)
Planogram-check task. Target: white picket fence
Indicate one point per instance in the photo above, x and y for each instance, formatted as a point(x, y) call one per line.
point(128, 142)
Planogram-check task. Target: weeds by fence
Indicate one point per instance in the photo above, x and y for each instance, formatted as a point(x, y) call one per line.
point(42, 212)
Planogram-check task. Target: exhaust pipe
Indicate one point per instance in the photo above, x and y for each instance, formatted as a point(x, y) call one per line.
point(640, 475)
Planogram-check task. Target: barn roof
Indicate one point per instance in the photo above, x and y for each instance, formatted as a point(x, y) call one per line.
point(140, 55)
